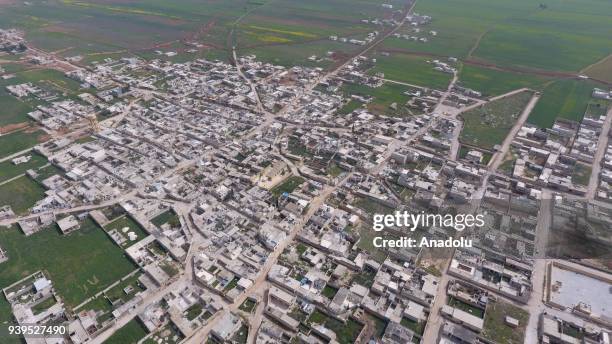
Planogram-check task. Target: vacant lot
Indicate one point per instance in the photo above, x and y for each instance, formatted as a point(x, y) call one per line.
point(80, 264)
point(131, 333)
point(495, 327)
point(167, 217)
point(346, 333)
point(349, 107)
point(132, 227)
point(488, 125)
point(563, 99)
point(288, 185)
point(581, 174)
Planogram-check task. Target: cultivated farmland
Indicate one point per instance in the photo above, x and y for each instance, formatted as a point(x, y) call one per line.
point(80, 264)
point(563, 99)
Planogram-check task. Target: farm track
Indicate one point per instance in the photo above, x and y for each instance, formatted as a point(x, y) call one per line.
point(477, 43)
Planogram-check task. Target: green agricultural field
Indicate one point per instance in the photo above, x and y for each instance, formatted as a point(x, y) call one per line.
point(298, 53)
point(539, 48)
point(19, 140)
point(9, 170)
point(80, 264)
point(131, 333)
point(6, 317)
point(488, 125)
point(563, 99)
point(73, 27)
point(71, 36)
point(21, 194)
point(564, 36)
point(48, 76)
point(12, 110)
point(458, 27)
point(410, 69)
point(12, 67)
point(445, 44)
point(290, 21)
point(494, 82)
point(601, 70)
point(83, 27)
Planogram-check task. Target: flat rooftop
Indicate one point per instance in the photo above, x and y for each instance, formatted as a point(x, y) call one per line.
point(572, 287)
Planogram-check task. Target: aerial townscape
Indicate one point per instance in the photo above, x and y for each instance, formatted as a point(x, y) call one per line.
point(204, 171)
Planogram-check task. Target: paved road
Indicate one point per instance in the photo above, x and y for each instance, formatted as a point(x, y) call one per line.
point(14, 155)
point(602, 145)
